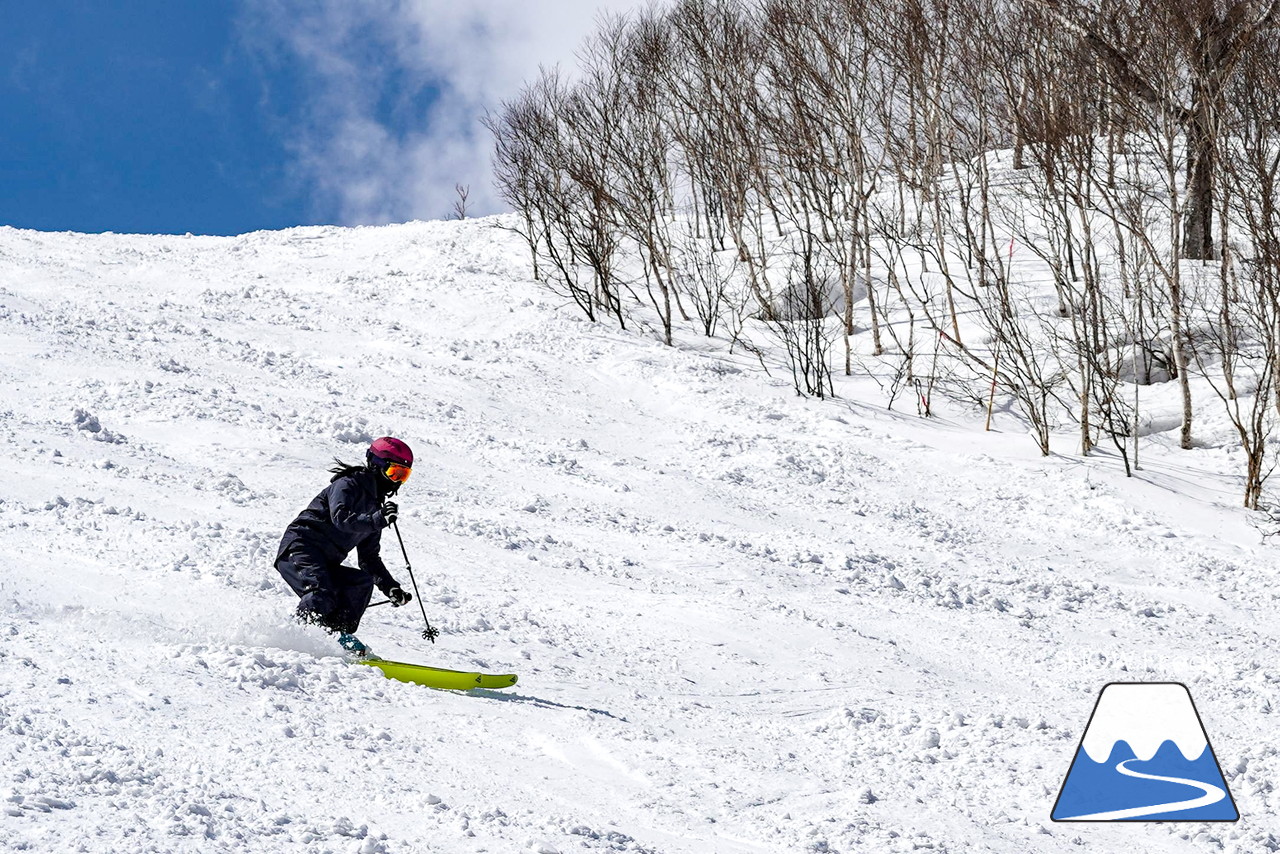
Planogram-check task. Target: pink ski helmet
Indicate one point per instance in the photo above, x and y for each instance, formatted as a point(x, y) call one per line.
point(389, 450)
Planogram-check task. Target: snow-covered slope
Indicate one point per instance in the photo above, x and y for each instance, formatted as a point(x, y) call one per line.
point(743, 622)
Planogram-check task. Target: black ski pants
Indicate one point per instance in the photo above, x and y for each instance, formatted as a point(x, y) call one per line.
point(331, 594)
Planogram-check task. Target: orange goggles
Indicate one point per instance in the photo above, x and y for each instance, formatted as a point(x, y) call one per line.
point(397, 473)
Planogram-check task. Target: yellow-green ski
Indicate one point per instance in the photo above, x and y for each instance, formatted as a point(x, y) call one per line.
point(434, 677)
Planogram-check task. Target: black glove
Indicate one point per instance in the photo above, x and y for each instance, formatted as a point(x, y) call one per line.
point(390, 512)
point(399, 596)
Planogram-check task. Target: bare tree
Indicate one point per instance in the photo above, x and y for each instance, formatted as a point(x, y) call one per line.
point(549, 164)
point(725, 158)
point(1246, 333)
point(802, 319)
point(825, 78)
point(460, 203)
point(1207, 39)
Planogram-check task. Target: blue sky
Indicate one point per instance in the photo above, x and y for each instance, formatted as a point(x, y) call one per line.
point(154, 119)
point(226, 116)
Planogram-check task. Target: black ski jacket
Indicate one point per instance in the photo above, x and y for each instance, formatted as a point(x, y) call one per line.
point(346, 515)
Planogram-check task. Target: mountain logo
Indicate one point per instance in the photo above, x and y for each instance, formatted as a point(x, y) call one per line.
point(1145, 756)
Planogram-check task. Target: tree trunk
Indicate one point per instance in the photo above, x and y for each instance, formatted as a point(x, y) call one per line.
point(1181, 363)
point(1197, 235)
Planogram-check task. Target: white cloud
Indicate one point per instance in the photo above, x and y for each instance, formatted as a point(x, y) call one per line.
point(393, 92)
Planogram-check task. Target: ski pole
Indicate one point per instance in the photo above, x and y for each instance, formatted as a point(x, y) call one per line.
point(428, 633)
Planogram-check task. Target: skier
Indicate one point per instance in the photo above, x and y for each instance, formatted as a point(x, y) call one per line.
point(349, 514)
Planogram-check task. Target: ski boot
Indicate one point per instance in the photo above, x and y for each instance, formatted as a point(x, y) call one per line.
point(355, 646)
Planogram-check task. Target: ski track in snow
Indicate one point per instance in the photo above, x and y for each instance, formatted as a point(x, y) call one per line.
point(743, 622)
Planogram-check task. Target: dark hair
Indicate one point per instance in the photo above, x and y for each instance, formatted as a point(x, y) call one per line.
point(342, 470)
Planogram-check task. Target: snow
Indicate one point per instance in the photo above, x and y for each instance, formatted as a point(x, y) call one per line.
point(743, 621)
